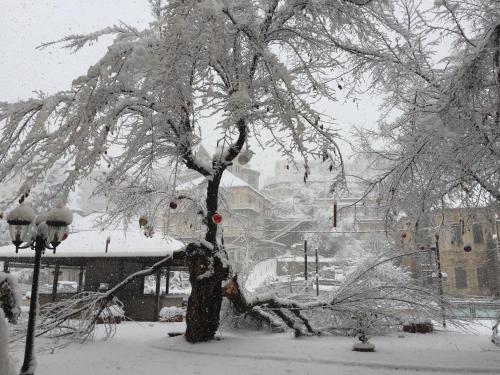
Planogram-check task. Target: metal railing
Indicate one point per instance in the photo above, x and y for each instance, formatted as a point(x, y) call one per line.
point(474, 309)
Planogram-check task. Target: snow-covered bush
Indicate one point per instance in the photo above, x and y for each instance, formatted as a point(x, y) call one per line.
point(363, 325)
point(10, 297)
point(10, 309)
point(6, 362)
point(172, 314)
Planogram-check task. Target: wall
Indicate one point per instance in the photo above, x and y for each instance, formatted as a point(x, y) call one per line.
point(473, 273)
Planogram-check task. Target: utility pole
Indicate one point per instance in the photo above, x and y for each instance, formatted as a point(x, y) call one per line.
point(305, 262)
point(497, 258)
point(317, 273)
point(440, 276)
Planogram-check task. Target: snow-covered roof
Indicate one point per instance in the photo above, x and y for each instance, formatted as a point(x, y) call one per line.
point(228, 181)
point(86, 241)
point(300, 259)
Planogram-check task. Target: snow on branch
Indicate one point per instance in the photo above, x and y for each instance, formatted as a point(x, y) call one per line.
point(376, 287)
point(75, 319)
point(76, 42)
point(148, 95)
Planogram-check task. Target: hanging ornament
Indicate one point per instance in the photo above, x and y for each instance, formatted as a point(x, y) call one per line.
point(245, 156)
point(467, 248)
point(217, 218)
point(335, 214)
point(173, 205)
point(108, 241)
point(143, 221)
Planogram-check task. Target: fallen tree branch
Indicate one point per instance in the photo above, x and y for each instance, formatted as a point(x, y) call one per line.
point(367, 289)
point(86, 309)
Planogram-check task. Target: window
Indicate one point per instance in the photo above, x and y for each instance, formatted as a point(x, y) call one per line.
point(477, 232)
point(456, 234)
point(460, 278)
point(483, 279)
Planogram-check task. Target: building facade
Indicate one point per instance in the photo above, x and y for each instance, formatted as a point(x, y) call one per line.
point(468, 252)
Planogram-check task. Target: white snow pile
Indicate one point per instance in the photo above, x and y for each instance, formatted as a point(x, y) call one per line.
point(23, 212)
point(172, 314)
point(59, 215)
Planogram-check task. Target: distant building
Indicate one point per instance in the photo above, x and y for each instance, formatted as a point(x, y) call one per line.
point(469, 253)
point(251, 176)
point(298, 204)
point(244, 210)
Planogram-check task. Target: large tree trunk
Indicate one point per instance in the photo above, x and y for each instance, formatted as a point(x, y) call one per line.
point(206, 273)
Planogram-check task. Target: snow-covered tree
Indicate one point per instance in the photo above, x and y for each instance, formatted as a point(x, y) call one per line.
point(443, 143)
point(257, 66)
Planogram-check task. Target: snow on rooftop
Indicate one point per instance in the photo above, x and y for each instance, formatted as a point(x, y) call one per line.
point(300, 259)
point(228, 180)
point(85, 240)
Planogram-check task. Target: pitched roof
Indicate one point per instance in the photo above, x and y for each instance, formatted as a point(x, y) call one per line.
point(85, 240)
point(228, 181)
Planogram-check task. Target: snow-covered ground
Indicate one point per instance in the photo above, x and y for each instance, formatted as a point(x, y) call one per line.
point(145, 348)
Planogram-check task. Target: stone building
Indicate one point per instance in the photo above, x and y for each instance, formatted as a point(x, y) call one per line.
point(244, 211)
point(469, 252)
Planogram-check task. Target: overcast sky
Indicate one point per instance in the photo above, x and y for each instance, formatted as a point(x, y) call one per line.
point(25, 24)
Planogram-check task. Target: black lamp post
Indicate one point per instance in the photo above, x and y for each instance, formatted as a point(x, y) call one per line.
point(51, 227)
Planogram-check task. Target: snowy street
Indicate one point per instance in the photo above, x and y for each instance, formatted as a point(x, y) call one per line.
point(145, 348)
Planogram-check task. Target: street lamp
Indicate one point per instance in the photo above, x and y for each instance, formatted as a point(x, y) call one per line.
point(51, 227)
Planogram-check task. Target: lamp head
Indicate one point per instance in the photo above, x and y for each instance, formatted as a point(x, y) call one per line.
point(57, 220)
point(19, 220)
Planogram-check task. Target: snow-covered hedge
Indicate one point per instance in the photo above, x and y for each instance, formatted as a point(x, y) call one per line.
point(172, 314)
point(10, 297)
point(6, 362)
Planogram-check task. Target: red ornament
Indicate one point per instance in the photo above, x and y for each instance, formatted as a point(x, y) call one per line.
point(217, 218)
point(173, 205)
